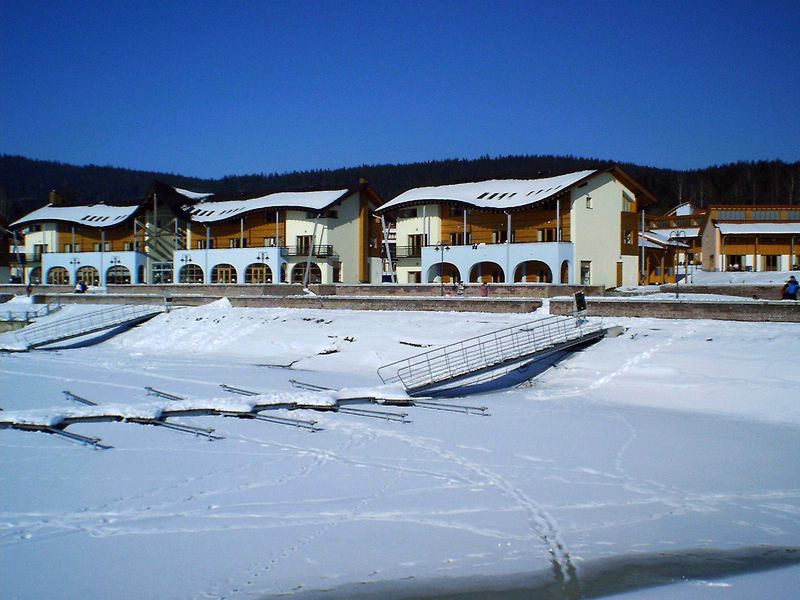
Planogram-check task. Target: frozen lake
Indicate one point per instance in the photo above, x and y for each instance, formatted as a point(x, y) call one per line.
point(677, 439)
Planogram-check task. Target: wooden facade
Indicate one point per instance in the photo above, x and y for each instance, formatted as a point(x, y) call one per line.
point(253, 230)
point(490, 227)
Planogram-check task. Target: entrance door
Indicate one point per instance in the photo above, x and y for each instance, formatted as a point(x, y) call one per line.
point(619, 274)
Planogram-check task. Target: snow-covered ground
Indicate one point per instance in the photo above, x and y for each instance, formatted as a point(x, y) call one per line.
point(777, 278)
point(677, 441)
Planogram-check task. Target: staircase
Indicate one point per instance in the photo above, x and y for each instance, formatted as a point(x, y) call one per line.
point(34, 336)
point(487, 357)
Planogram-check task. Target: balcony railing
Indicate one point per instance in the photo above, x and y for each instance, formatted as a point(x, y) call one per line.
point(110, 247)
point(408, 251)
point(319, 251)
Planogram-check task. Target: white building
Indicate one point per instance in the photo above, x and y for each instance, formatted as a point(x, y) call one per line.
point(577, 228)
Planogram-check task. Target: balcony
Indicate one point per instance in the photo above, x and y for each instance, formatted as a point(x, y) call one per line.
point(319, 251)
point(408, 252)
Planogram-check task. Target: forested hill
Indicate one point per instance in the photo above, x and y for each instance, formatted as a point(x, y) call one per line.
point(25, 183)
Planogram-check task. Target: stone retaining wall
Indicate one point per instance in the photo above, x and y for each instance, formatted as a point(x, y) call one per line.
point(756, 292)
point(740, 310)
point(529, 290)
point(491, 305)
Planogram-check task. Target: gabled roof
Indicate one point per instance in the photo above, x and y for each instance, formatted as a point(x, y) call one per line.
point(509, 194)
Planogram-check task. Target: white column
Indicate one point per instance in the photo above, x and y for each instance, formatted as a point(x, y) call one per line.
point(206, 273)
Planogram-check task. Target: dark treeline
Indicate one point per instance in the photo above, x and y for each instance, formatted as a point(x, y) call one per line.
point(25, 183)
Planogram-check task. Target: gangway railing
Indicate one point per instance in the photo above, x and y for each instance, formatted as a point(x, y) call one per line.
point(488, 353)
point(27, 314)
point(34, 336)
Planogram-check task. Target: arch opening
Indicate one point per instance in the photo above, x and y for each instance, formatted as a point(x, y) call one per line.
point(486, 272)
point(89, 276)
point(443, 272)
point(58, 276)
point(299, 272)
point(533, 271)
point(118, 275)
point(258, 273)
point(190, 273)
point(223, 273)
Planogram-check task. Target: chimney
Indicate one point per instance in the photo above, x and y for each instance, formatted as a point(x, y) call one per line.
point(55, 198)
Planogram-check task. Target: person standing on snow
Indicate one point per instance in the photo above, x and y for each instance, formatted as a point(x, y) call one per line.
point(789, 291)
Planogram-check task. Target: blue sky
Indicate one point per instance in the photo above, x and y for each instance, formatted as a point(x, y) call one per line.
point(219, 88)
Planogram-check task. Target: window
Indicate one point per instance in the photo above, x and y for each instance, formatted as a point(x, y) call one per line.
point(38, 250)
point(97, 247)
point(415, 243)
point(270, 242)
point(456, 211)
point(234, 243)
point(730, 215)
point(201, 244)
point(627, 202)
point(547, 234)
point(735, 262)
point(325, 214)
point(589, 202)
point(586, 272)
point(771, 262)
point(407, 213)
point(500, 236)
point(126, 246)
point(457, 239)
point(793, 215)
point(627, 237)
point(765, 215)
point(303, 244)
point(483, 195)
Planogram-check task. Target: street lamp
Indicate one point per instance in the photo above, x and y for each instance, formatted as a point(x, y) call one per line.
point(262, 258)
point(440, 248)
point(677, 235)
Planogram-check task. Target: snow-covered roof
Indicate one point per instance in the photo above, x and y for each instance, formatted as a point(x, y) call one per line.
point(209, 212)
point(759, 228)
point(193, 195)
point(682, 210)
point(689, 232)
point(95, 215)
point(662, 240)
point(492, 194)
point(644, 243)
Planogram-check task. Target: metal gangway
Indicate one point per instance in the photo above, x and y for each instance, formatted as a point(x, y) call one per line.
point(34, 336)
point(28, 313)
point(491, 355)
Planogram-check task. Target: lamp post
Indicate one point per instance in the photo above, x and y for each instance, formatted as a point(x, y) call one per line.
point(75, 261)
point(676, 236)
point(186, 259)
point(440, 248)
point(114, 262)
point(262, 258)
